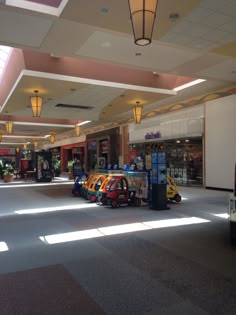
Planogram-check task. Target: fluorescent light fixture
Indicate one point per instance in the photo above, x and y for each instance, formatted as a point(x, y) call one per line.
point(184, 86)
point(3, 247)
point(42, 124)
point(13, 143)
point(27, 137)
point(118, 229)
point(84, 122)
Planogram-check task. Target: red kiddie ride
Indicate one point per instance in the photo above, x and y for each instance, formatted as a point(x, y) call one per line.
point(119, 193)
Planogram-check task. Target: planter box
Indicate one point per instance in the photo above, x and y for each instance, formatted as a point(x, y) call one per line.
point(8, 178)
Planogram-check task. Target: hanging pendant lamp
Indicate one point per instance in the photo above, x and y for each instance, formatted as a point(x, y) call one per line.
point(52, 137)
point(77, 130)
point(137, 110)
point(36, 104)
point(9, 127)
point(142, 14)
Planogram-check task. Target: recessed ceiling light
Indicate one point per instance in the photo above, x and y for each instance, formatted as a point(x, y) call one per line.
point(104, 10)
point(173, 17)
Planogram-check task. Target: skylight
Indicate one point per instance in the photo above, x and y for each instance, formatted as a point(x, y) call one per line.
point(4, 55)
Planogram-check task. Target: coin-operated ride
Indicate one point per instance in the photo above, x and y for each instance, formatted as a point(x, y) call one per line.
point(125, 189)
point(85, 185)
point(172, 190)
point(102, 192)
point(94, 186)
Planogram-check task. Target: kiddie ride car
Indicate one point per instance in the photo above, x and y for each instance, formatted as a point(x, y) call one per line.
point(172, 190)
point(94, 186)
point(123, 190)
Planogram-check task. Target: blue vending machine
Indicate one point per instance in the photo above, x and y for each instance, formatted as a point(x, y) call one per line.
point(158, 198)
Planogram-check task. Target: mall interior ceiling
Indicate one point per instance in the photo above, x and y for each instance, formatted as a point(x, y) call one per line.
point(82, 59)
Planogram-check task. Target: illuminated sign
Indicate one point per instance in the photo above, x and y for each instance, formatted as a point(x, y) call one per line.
point(152, 135)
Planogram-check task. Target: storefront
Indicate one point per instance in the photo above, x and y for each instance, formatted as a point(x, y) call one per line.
point(180, 138)
point(184, 158)
point(103, 149)
point(70, 152)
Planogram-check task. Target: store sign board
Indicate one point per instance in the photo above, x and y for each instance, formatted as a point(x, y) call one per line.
point(4, 151)
point(152, 135)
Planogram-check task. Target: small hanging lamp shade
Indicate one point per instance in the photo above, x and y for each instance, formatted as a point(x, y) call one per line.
point(36, 104)
point(52, 137)
point(77, 130)
point(137, 110)
point(9, 127)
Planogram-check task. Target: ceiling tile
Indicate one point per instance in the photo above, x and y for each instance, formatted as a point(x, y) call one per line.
point(26, 30)
point(225, 70)
point(158, 57)
point(216, 20)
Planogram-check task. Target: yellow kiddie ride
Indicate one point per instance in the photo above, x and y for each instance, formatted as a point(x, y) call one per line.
point(172, 190)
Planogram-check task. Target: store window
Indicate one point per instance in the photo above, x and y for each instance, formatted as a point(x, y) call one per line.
point(184, 161)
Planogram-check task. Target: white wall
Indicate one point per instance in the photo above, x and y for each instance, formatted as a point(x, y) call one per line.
point(220, 142)
point(184, 123)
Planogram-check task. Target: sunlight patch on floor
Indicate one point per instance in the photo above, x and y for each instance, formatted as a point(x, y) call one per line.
point(3, 247)
point(59, 208)
point(118, 229)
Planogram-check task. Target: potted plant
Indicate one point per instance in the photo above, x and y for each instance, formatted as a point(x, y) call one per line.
point(56, 164)
point(8, 174)
point(70, 169)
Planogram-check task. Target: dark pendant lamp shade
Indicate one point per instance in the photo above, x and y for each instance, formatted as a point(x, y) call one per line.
point(142, 14)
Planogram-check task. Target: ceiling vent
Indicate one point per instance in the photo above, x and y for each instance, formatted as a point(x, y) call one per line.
point(74, 106)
